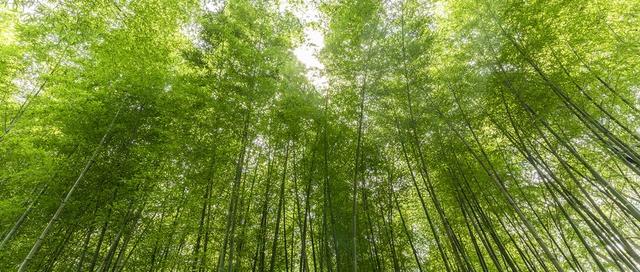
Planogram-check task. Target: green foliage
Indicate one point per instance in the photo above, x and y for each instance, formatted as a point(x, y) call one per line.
point(455, 135)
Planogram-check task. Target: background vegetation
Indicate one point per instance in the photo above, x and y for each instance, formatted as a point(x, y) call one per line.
point(457, 135)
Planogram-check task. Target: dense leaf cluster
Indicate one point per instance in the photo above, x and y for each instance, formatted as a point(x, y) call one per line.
point(453, 135)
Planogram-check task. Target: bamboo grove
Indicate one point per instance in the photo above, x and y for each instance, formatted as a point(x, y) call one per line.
point(451, 135)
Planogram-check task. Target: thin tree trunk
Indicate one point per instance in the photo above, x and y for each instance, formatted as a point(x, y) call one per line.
point(304, 266)
point(274, 246)
point(231, 213)
point(407, 233)
point(36, 246)
point(258, 260)
point(356, 174)
point(20, 220)
point(85, 247)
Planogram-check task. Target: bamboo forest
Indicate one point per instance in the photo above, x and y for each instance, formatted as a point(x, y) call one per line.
point(320, 135)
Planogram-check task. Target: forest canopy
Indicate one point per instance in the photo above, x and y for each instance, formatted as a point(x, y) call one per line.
point(328, 135)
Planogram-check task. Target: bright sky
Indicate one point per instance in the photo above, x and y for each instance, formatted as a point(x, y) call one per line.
point(307, 52)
